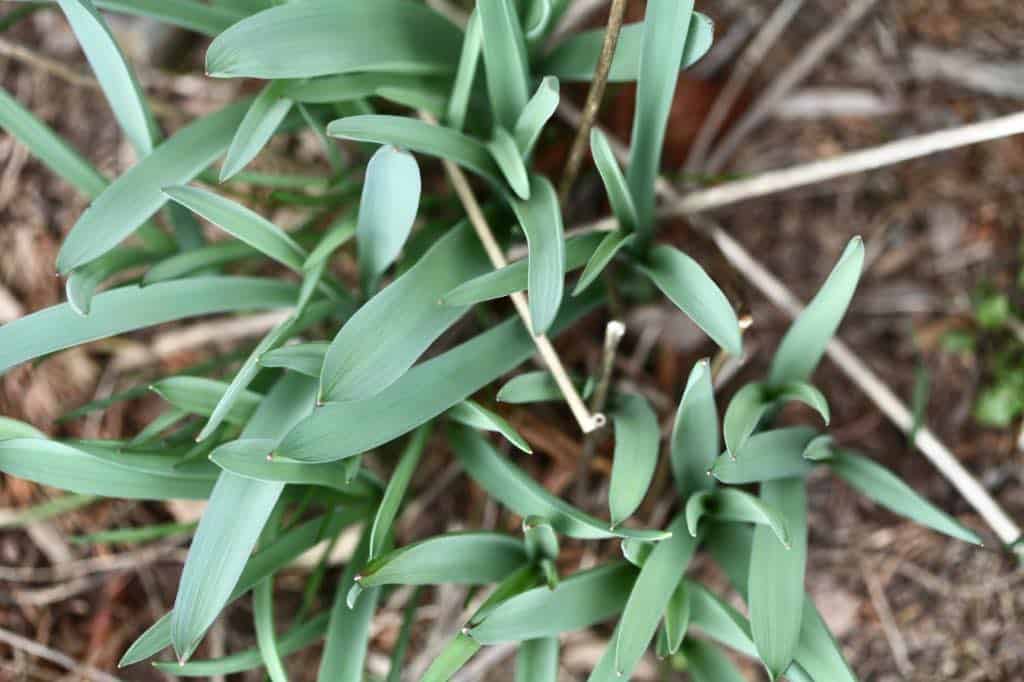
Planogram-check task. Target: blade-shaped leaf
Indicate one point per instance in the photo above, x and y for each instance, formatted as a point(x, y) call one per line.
point(421, 137)
point(335, 236)
point(340, 430)
point(514, 276)
point(395, 491)
point(803, 392)
point(505, 153)
point(260, 123)
point(695, 442)
point(470, 413)
point(677, 617)
point(189, 262)
point(304, 358)
point(540, 539)
point(538, 110)
point(266, 638)
point(199, 395)
point(387, 210)
point(455, 654)
point(687, 285)
point(615, 185)
point(242, 223)
point(660, 51)
point(348, 87)
point(537, 660)
point(575, 59)
point(188, 14)
point(471, 558)
point(804, 344)
point(504, 60)
point(462, 88)
point(718, 620)
point(776, 581)
point(541, 220)
point(579, 601)
point(135, 196)
point(324, 37)
point(706, 663)
point(651, 594)
point(603, 255)
point(743, 415)
point(509, 485)
point(233, 521)
point(635, 457)
point(536, 387)
point(122, 90)
point(129, 308)
point(767, 456)
point(82, 283)
point(360, 363)
point(348, 634)
point(879, 484)
point(729, 504)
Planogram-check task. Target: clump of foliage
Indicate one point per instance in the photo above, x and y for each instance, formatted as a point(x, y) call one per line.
point(278, 447)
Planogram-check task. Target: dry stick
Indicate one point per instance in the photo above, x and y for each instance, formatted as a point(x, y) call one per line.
point(594, 97)
point(792, 76)
point(38, 650)
point(587, 421)
point(895, 409)
point(738, 79)
point(613, 333)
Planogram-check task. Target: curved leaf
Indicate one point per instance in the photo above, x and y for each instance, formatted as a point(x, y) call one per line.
point(687, 285)
point(767, 456)
point(541, 220)
point(472, 558)
point(188, 14)
point(304, 358)
point(728, 504)
point(195, 260)
point(743, 414)
point(126, 309)
point(266, 638)
point(504, 60)
point(360, 362)
point(347, 87)
point(260, 123)
point(536, 387)
point(579, 601)
point(462, 88)
point(801, 391)
point(575, 59)
point(636, 455)
point(677, 617)
point(472, 414)
point(335, 236)
point(537, 660)
point(387, 210)
point(695, 442)
point(505, 153)
point(540, 539)
point(538, 110)
point(804, 344)
point(387, 510)
point(603, 255)
point(135, 196)
point(509, 485)
point(348, 633)
point(199, 395)
point(614, 181)
point(706, 663)
point(83, 281)
point(456, 654)
point(324, 37)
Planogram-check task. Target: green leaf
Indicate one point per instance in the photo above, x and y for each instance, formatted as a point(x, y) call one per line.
point(537, 112)
point(650, 595)
point(575, 59)
point(260, 123)
point(188, 14)
point(304, 358)
point(706, 663)
point(340, 430)
point(695, 442)
point(198, 395)
point(619, 196)
point(687, 285)
point(743, 414)
point(348, 635)
point(13, 428)
point(776, 581)
point(404, 636)
point(537, 18)
point(767, 456)
point(135, 196)
point(510, 486)
point(517, 582)
point(130, 536)
point(540, 538)
point(387, 210)
point(335, 236)
point(157, 426)
point(81, 285)
point(541, 220)
point(63, 466)
point(360, 363)
point(233, 521)
point(462, 88)
point(349, 87)
point(579, 601)
point(677, 617)
point(537, 660)
point(242, 223)
point(819, 448)
point(325, 37)
point(514, 276)
point(879, 484)
point(536, 387)
point(505, 153)
point(263, 563)
point(395, 491)
point(661, 50)
point(195, 260)
point(603, 255)
point(804, 344)
point(421, 137)
point(472, 414)
point(803, 392)
point(266, 638)
point(455, 654)
point(504, 60)
point(636, 455)
point(472, 558)
point(115, 77)
point(636, 551)
point(718, 620)
point(729, 504)
point(129, 308)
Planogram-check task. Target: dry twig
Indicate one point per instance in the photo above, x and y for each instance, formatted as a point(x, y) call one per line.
point(47, 654)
